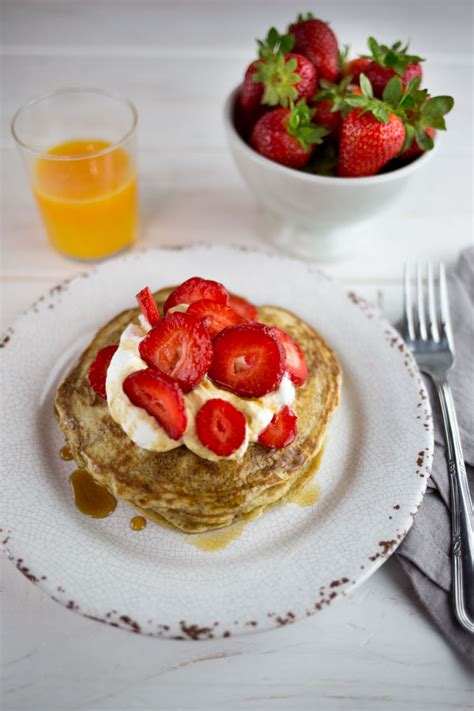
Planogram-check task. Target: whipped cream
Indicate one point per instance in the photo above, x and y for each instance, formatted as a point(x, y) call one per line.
point(147, 433)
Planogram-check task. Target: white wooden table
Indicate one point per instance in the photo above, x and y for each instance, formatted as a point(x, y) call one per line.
point(177, 61)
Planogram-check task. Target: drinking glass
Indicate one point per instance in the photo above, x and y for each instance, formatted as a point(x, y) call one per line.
point(79, 149)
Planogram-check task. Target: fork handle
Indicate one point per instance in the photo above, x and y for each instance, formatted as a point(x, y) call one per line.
point(461, 509)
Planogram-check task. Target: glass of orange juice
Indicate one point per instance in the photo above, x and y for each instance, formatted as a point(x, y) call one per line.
point(79, 148)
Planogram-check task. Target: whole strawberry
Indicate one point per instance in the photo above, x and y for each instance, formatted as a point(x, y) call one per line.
point(328, 104)
point(370, 136)
point(414, 149)
point(287, 136)
point(367, 144)
point(388, 62)
point(318, 43)
point(251, 91)
point(324, 115)
point(287, 77)
point(422, 115)
point(355, 67)
point(277, 78)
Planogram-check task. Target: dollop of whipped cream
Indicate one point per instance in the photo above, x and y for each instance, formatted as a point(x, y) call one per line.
point(147, 433)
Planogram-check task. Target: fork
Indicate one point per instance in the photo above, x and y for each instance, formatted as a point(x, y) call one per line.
point(427, 332)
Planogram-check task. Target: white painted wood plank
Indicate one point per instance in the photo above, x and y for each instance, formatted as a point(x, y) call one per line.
point(434, 27)
point(343, 658)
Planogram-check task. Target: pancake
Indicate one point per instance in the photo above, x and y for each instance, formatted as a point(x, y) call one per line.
point(178, 487)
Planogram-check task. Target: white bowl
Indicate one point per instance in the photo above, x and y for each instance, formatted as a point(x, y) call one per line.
point(314, 216)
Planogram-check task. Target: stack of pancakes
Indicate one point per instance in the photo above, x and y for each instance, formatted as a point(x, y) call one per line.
point(178, 487)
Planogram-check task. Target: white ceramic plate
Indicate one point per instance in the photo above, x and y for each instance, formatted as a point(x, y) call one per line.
point(286, 565)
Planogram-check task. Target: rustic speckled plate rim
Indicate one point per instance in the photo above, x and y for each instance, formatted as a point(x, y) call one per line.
point(334, 589)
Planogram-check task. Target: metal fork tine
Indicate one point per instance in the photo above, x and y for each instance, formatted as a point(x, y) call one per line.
point(435, 358)
point(433, 330)
point(420, 298)
point(444, 307)
point(408, 324)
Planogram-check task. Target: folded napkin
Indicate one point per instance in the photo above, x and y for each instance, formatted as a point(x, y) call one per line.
point(425, 553)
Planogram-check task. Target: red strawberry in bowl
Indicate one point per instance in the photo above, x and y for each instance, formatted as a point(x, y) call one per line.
point(277, 78)
point(367, 144)
point(355, 67)
point(326, 116)
point(317, 42)
point(388, 62)
point(248, 107)
point(371, 133)
point(376, 131)
point(287, 136)
point(423, 116)
point(329, 103)
point(414, 149)
point(290, 77)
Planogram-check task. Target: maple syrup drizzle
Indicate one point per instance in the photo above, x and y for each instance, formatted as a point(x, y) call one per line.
point(306, 496)
point(307, 492)
point(90, 498)
point(138, 523)
point(66, 454)
point(304, 493)
point(94, 500)
point(212, 541)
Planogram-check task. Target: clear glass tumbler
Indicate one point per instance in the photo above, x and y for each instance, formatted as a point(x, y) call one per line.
point(79, 148)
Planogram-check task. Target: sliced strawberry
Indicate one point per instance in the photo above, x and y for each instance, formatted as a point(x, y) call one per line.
point(180, 347)
point(248, 360)
point(281, 431)
point(214, 316)
point(295, 363)
point(148, 306)
point(98, 370)
point(195, 289)
point(160, 396)
point(220, 427)
point(243, 307)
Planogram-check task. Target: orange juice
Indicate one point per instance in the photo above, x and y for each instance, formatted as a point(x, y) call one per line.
point(87, 196)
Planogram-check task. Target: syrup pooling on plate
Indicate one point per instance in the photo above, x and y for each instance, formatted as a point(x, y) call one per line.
point(217, 540)
point(307, 493)
point(138, 523)
point(90, 498)
point(303, 493)
point(66, 454)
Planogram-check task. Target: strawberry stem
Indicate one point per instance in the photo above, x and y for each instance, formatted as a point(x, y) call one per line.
point(414, 106)
point(395, 57)
point(275, 72)
point(301, 127)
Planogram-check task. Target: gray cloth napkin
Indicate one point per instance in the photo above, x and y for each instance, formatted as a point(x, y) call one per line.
point(425, 553)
